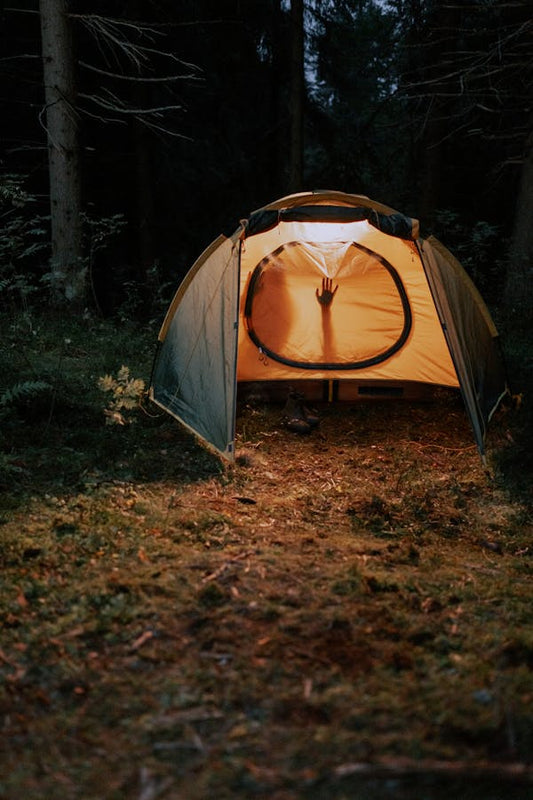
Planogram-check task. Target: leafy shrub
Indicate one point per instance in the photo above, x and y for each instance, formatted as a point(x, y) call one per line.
point(125, 395)
point(28, 400)
point(24, 242)
point(23, 393)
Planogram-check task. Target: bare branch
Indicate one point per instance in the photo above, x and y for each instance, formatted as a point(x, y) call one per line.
point(161, 129)
point(139, 78)
point(120, 108)
point(21, 55)
point(112, 38)
point(108, 32)
point(105, 120)
point(148, 123)
point(23, 11)
point(140, 27)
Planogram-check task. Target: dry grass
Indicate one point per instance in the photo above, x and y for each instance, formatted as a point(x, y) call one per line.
point(344, 614)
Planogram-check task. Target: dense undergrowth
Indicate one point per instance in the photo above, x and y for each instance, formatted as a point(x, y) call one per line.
point(345, 614)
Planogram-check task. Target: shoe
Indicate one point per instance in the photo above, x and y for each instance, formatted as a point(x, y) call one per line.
point(311, 416)
point(297, 425)
point(300, 418)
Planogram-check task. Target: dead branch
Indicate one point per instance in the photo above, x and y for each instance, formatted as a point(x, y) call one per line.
point(121, 109)
point(138, 78)
point(226, 565)
point(405, 768)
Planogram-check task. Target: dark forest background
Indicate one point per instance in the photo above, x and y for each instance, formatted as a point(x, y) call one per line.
point(187, 116)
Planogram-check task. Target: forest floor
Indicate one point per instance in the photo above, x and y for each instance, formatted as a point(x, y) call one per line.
point(345, 614)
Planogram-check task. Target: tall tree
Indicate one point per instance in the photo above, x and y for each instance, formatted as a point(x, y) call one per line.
point(468, 80)
point(430, 31)
point(127, 79)
point(519, 281)
point(356, 136)
point(297, 96)
point(67, 269)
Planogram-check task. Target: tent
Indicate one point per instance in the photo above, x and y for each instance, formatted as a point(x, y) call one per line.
point(331, 292)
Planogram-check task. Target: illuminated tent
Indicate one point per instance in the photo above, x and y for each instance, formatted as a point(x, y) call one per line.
point(329, 292)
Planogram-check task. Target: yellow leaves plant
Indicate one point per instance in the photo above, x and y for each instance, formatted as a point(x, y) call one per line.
point(125, 395)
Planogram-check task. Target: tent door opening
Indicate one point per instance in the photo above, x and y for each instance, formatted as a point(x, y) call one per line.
point(327, 306)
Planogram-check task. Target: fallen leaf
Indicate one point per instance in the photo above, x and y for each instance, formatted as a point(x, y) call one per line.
point(5, 659)
point(21, 599)
point(144, 637)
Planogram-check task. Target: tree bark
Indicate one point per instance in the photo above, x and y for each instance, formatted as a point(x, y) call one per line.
point(278, 139)
point(144, 184)
point(297, 96)
point(68, 270)
point(144, 199)
point(519, 282)
point(433, 189)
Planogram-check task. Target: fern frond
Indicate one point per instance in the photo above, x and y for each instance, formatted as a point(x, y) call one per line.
point(23, 391)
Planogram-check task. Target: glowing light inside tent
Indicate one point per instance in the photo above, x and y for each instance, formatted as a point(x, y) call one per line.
point(324, 304)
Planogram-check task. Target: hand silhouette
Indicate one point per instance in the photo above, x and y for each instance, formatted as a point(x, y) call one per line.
point(325, 298)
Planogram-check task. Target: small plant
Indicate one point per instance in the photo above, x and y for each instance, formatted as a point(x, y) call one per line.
point(24, 243)
point(23, 392)
point(125, 395)
point(26, 399)
point(97, 235)
point(10, 470)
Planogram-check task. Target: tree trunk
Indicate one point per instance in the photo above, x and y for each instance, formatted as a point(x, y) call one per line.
point(144, 200)
point(144, 179)
point(68, 268)
point(519, 283)
point(297, 96)
point(278, 105)
point(436, 128)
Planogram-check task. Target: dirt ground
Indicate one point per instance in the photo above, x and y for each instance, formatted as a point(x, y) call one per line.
point(344, 614)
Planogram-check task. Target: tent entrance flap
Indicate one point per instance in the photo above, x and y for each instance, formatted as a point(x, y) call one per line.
point(289, 315)
point(195, 372)
point(471, 336)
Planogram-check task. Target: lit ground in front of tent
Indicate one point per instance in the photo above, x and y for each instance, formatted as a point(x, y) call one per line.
point(346, 611)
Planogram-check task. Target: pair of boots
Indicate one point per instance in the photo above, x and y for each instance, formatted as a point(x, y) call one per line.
point(300, 419)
